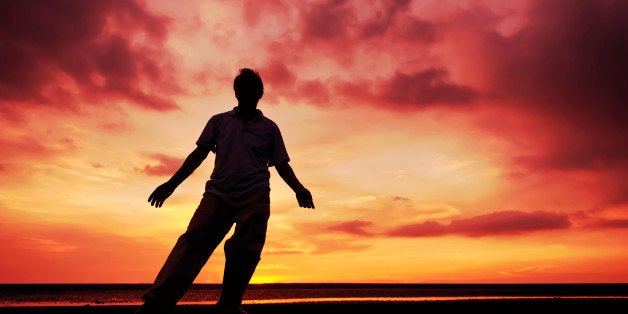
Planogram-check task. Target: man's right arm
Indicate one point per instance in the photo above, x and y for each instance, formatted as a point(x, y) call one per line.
point(304, 197)
point(193, 161)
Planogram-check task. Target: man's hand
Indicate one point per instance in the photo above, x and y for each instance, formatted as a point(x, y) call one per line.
point(194, 159)
point(161, 193)
point(304, 197)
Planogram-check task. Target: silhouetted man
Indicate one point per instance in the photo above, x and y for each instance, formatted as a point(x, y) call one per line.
point(246, 144)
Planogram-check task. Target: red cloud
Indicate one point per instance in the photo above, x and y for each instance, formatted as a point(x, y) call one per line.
point(334, 31)
point(416, 30)
point(278, 75)
point(510, 222)
point(314, 92)
point(392, 21)
point(337, 21)
point(565, 64)
point(330, 19)
point(401, 198)
point(425, 229)
point(403, 91)
point(385, 19)
point(13, 150)
point(56, 53)
point(609, 223)
point(505, 222)
point(563, 68)
point(355, 227)
point(167, 165)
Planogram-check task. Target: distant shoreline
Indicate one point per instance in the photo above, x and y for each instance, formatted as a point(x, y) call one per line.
point(304, 297)
point(486, 306)
point(307, 285)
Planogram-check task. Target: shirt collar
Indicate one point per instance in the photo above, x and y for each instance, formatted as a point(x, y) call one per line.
point(234, 112)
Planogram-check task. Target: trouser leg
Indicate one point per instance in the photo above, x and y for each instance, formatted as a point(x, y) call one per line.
point(242, 252)
point(205, 231)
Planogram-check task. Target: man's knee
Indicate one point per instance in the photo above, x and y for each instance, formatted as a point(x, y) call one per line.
point(200, 236)
point(252, 250)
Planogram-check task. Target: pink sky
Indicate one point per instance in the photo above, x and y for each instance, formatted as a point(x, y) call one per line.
point(443, 141)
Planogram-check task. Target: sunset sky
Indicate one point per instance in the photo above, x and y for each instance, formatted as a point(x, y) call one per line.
point(443, 141)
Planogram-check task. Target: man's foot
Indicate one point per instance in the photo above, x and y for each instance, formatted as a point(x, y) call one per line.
point(151, 307)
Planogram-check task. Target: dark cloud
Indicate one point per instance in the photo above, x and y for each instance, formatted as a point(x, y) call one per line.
point(393, 21)
point(327, 20)
point(510, 222)
point(568, 63)
point(401, 91)
point(384, 18)
point(418, 31)
point(423, 88)
point(59, 52)
point(497, 223)
point(332, 30)
point(609, 223)
point(335, 21)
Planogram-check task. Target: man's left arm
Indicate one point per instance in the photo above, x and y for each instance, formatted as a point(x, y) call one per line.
point(304, 197)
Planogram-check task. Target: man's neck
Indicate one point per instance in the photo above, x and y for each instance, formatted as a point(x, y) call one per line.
point(248, 114)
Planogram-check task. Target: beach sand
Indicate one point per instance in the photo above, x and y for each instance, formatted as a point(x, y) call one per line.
point(550, 305)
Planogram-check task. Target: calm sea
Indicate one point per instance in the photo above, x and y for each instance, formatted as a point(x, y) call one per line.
point(12, 295)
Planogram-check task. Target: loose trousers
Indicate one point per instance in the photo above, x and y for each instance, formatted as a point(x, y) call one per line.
point(209, 225)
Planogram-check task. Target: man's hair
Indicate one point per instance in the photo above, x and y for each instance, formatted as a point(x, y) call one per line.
point(248, 82)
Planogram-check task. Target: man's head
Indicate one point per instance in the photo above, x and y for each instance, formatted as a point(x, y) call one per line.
point(248, 87)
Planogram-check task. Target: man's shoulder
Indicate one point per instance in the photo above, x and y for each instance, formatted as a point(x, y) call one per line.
point(221, 115)
point(224, 113)
point(269, 122)
point(267, 119)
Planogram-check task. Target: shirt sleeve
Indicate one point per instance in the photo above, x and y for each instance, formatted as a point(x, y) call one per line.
point(208, 136)
point(278, 152)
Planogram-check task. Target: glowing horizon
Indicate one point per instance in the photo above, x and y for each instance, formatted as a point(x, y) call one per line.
point(458, 142)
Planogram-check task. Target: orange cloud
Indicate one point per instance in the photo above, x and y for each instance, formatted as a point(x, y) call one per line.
point(167, 165)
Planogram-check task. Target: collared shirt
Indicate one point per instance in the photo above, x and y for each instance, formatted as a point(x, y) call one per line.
point(244, 152)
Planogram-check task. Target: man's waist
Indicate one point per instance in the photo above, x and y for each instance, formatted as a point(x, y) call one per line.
point(235, 190)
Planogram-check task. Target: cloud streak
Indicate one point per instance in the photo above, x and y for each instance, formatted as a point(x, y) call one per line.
point(492, 224)
point(497, 223)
